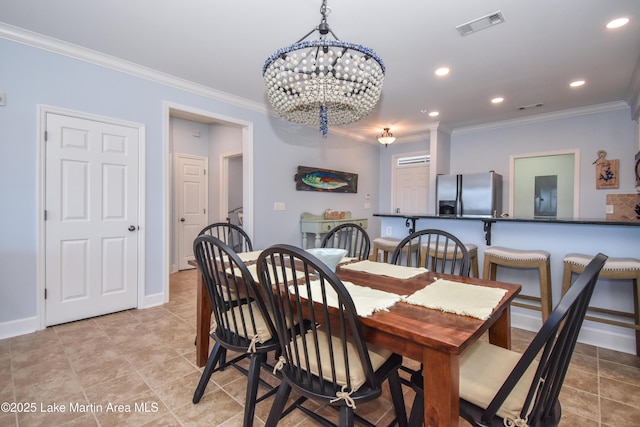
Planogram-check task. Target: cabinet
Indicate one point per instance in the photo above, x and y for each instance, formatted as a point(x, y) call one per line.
point(317, 226)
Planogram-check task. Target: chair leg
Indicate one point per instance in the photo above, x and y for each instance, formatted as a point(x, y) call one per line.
point(215, 355)
point(416, 419)
point(252, 388)
point(398, 399)
point(346, 416)
point(278, 404)
point(636, 310)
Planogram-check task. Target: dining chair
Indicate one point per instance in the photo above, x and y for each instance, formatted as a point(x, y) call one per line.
point(244, 327)
point(233, 236)
point(328, 362)
point(351, 237)
point(502, 387)
point(230, 234)
point(436, 250)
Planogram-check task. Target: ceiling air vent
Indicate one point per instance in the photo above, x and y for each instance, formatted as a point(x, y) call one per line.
point(413, 160)
point(530, 106)
point(481, 23)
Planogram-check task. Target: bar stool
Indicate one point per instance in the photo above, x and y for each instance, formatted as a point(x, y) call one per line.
point(473, 253)
point(385, 244)
point(517, 258)
point(615, 269)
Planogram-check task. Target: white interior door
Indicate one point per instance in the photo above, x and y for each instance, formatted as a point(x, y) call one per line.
point(191, 204)
point(411, 188)
point(91, 228)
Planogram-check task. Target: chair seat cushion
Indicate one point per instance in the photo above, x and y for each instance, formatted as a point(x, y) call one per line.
point(612, 264)
point(386, 241)
point(450, 248)
point(483, 369)
point(377, 355)
point(517, 254)
point(242, 312)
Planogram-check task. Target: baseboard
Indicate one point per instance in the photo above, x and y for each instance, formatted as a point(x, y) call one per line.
point(14, 328)
point(590, 333)
point(152, 300)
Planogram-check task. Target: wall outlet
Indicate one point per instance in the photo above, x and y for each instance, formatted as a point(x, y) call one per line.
point(609, 209)
point(389, 231)
point(367, 205)
point(279, 206)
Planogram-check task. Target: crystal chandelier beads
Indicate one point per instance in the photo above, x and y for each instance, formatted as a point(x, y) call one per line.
point(323, 82)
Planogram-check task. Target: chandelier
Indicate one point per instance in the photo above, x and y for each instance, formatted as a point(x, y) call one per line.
point(323, 82)
point(386, 137)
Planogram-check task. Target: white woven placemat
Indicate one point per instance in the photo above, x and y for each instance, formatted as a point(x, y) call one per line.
point(384, 269)
point(366, 300)
point(459, 298)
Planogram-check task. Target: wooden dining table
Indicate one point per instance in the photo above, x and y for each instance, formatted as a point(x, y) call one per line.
point(435, 338)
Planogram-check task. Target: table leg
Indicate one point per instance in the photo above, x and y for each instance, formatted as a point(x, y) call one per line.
point(500, 332)
point(203, 321)
point(441, 388)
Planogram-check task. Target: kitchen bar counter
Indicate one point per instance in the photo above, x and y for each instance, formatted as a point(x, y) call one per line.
point(557, 236)
point(488, 221)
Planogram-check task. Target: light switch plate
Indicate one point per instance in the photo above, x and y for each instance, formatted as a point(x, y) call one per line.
point(609, 209)
point(279, 206)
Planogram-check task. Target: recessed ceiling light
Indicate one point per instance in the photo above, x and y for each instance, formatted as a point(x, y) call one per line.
point(617, 23)
point(577, 83)
point(497, 100)
point(443, 71)
point(434, 114)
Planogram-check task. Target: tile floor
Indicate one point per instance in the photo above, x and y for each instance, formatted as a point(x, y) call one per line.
point(138, 368)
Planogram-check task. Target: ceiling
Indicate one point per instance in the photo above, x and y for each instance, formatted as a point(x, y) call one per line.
point(531, 58)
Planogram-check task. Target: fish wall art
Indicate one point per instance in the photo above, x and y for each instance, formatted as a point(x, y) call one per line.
point(316, 179)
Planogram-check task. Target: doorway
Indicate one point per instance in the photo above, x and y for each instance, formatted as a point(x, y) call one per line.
point(526, 169)
point(217, 121)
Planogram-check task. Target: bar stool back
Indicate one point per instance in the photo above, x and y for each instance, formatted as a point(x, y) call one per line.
point(614, 269)
point(518, 258)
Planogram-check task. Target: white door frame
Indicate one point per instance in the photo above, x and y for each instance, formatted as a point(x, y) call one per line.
point(247, 174)
point(43, 110)
point(224, 182)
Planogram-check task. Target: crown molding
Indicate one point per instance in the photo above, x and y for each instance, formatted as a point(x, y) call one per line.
point(538, 118)
point(40, 41)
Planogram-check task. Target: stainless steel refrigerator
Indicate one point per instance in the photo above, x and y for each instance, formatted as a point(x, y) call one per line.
point(472, 195)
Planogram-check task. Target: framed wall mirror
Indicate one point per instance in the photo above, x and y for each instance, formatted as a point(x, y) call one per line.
point(545, 185)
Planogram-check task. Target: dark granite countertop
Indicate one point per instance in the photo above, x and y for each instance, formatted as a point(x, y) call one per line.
point(551, 220)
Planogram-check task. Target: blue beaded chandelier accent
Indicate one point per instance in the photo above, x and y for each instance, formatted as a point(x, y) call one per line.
point(323, 82)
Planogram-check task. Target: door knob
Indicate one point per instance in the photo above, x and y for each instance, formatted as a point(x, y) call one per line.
point(182, 219)
point(132, 228)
